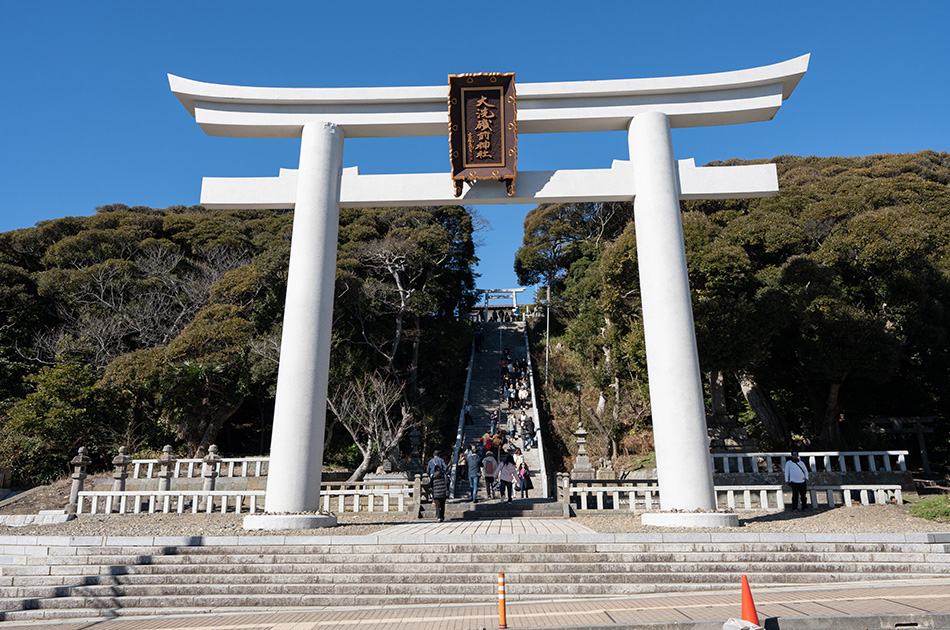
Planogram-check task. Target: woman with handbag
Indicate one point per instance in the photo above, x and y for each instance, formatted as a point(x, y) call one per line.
point(524, 480)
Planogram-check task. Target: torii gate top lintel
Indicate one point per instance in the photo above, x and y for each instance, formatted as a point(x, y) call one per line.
point(501, 293)
point(721, 98)
point(493, 292)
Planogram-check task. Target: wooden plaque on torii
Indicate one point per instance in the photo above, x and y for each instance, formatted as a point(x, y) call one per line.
point(483, 129)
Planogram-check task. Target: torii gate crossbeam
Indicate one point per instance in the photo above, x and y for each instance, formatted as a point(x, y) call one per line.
point(646, 108)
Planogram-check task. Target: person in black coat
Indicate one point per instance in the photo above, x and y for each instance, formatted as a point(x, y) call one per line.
point(440, 484)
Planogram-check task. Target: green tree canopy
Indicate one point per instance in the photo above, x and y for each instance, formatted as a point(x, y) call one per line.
point(829, 301)
point(176, 314)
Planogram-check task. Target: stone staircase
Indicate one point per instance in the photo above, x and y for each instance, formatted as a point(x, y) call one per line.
point(485, 394)
point(493, 508)
point(93, 578)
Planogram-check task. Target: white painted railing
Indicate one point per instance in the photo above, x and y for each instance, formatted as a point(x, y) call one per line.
point(172, 501)
point(859, 494)
point(642, 498)
point(346, 496)
point(612, 496)
point(191, 468)
point(366, 499)
point(817, 461)
point(746, 498)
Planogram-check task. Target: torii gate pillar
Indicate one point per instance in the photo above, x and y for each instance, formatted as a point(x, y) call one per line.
point(296, 463)
point(676, 391)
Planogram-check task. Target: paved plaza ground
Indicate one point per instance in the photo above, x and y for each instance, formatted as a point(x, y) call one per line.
point(882, 605)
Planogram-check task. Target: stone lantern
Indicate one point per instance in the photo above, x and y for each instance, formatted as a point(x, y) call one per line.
point(166, 464)
point(209, 470)
point(582, 468)
point(79, 464)
point(121, 469)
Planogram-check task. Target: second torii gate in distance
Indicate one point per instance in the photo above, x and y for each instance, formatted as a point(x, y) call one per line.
point(499, 293)
point(645, 108)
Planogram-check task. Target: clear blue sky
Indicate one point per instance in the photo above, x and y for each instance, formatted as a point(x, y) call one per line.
point(88, 118)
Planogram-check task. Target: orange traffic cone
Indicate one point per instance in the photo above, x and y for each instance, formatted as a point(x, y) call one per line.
point(748, 606)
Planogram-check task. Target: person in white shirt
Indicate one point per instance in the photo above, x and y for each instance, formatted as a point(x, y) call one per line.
point(796, 474)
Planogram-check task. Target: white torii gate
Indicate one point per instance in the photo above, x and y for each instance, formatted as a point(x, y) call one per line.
point(493, 293)
point(652, 178)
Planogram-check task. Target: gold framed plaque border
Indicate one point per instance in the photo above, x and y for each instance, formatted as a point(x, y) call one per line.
point(506, 172)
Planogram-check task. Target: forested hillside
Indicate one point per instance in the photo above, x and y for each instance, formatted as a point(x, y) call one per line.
point(141, 327)
point(819, 307)
point(815, 309)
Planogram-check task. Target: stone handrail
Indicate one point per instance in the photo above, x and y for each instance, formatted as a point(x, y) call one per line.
point(191, 468)
point(453, 462)
point(817, 461)
point(172, 501)
point(539, 443)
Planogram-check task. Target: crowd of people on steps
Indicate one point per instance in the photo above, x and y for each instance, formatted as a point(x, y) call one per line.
point(495, 461)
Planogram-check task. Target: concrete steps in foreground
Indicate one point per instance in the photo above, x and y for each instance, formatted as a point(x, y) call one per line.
point(76, 578)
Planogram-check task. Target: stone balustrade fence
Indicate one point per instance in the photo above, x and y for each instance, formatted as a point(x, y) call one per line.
point(817, 461)
point(373, 495)
point(171, 501)
point(396, 495)
point(339, 497)
point(641, 496)
point(368, 496)
point(192, 468)
point(725, 462)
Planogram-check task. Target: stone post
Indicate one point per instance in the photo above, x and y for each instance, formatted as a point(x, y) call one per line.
point(120, 473)
point(563, 492)
point(209, 470)
point(676, 392)
point(296, 449)
point(417, 496)
point(79, 464)
point(166, 463)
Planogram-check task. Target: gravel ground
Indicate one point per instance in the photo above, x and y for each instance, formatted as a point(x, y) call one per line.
point(861, 519)
point(874, 519)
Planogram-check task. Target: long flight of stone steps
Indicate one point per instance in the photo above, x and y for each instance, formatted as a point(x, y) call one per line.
point(88, 578)
point(485, 394)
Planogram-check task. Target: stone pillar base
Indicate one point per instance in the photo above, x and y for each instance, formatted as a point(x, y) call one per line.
point(289, 521)
point(690, 519)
